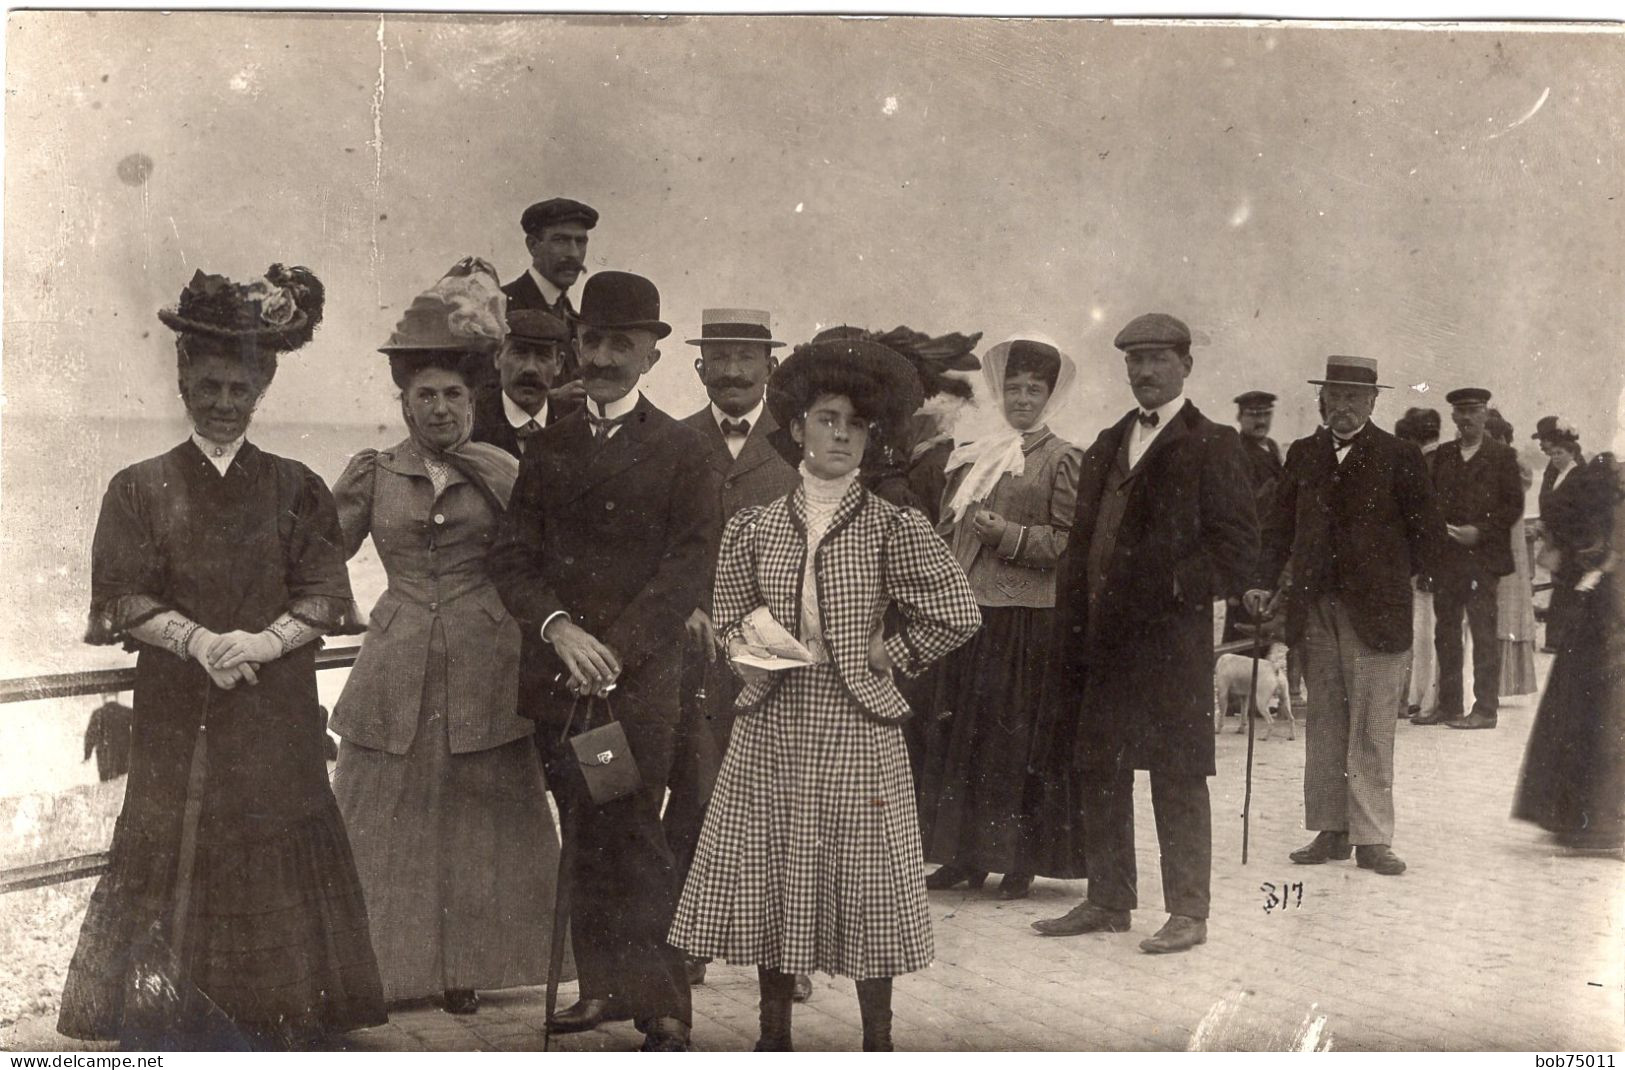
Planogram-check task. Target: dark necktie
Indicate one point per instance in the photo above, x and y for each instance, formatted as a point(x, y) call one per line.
point(1148, 419)
point(602, 426)
point(525, 432)
point(1340, 444)
point(736, 427)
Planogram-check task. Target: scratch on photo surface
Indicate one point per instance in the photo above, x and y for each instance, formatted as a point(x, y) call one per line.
point(1215, 1023)
point(1528, 115)
point(1313, 1034)
point(377, 144)
point(178, 245)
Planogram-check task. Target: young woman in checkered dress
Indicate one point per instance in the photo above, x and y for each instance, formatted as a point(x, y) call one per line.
point(810, 857)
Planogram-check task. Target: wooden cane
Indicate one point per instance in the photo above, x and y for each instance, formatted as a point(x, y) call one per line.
point(1247, 712)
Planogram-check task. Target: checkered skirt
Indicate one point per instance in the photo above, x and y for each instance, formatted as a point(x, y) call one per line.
point(810, 857)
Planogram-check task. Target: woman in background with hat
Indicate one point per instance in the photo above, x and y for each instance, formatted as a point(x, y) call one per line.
point(810, 855)
point(219, 564)
point(1011, 494)
point(1564, 521)
point(437, 778)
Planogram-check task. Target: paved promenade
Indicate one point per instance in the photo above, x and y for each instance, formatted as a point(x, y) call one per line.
point(1492, 939)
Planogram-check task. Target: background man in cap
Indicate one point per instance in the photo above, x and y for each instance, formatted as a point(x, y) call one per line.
point(607, 546)
point(510, 412)
point(1481, 496)
point(1352, 521)
point(556, 238)
point(736, 358)
point(1254, 412)
point(1164, 526)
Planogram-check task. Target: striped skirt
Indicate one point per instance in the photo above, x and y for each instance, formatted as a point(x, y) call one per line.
point(810, 856)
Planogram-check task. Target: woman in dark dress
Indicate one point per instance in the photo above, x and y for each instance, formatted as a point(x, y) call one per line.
point(1011, 494)
point(221, 564)
point(1573, 779)
point(1561, 487)
point(810, 854)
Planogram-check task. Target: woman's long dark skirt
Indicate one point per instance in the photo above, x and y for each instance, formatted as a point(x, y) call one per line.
point(982, 803)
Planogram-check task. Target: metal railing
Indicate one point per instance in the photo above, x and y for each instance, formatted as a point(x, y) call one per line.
point(96, 682)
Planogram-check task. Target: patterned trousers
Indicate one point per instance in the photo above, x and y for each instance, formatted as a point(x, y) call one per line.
point(1354, 697)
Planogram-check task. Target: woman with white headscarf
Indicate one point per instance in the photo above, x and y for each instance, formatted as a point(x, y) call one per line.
point(1006, 512)
point(437, 777)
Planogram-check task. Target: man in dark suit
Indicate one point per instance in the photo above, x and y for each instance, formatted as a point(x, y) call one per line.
point(1254, 412)
point(556, 238)
point(1164, 526)
point(1480, 493)
point(511, 411)
point(1353, 520)
point(606, 548)
point(736, 358)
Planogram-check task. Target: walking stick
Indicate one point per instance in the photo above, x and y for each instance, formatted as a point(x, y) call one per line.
point(1247, 712)
point(561, 915)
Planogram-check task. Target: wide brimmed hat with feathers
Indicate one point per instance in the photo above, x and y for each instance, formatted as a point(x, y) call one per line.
point(279, 312)
point(464, 311)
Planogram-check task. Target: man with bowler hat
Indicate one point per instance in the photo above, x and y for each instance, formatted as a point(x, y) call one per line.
point(511, 411)
point(1480, 493)
point(736, 358)
point(1164, 525)
point(556, 238)
point(1353, 520)
point(607, 546)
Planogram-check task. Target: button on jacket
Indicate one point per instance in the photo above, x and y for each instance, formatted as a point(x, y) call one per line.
point(434, 550)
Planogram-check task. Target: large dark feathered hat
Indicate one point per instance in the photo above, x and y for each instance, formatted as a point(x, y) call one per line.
point(894, 387)
point(278, 313)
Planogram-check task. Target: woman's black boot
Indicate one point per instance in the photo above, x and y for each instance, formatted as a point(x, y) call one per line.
point(874, 1003)
point(777, 992)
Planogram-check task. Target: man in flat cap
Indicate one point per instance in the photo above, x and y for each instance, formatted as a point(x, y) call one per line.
point(1254, 412)
point(736, 358)
point(1481, 496)
point(1353, 520)
point(607, 545)
point(556, 238)
point(1164, 525)
point(511, 411)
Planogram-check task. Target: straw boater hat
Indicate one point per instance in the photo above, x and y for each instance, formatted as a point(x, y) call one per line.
point(277, 313)
point(1351, 371)
point(735, 325)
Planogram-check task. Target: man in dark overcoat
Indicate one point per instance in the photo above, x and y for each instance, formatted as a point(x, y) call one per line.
point(1353, 521)
point(556, 239)
point(606, 548)
point(1165, 524)
point(1255, 411)
point(512, 409)
point(736, 358)
point(1480, 493)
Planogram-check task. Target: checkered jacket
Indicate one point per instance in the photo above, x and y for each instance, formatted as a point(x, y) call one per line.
point(874, 555)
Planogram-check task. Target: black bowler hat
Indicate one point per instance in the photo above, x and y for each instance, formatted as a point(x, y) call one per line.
point(557, 210)
point(1154, 330)
point(1255, 400)
point(1553, 429)
point(1468, 395)
point(536, 326)
point(620, 299)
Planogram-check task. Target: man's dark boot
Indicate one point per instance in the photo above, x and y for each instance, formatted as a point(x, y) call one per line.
point(778, 990)
point(874, 1003)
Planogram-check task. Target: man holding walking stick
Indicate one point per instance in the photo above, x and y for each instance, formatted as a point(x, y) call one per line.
point(1354, 518)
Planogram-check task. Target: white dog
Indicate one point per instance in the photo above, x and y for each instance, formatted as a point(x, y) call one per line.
point(1233, 675)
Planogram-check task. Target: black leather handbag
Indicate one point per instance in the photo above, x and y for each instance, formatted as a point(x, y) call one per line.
point(603, 754)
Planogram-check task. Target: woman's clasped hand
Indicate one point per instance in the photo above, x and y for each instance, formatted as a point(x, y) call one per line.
point(235, 656)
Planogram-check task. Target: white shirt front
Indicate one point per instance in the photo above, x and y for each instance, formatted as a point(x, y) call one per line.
point(1343, 454)
point(550, 293)
point(219, 454)
point(615, 409)
point(737, 442)
point(518, 417)
point(1467, 453)
point(1141, 436)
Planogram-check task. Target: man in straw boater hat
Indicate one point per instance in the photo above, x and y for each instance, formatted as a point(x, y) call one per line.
point(556, 239)
point(736, 358)
point(1164, 526)
point(1480, 493)
point(607, 546)
point(1354, 519)
point(511, 411)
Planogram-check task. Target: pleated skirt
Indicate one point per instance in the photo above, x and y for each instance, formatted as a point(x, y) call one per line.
point(810, 856)
point(457, 854)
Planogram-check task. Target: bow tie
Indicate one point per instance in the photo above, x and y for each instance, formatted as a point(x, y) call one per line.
point(736, 427)
point(1148, 419)
point(1341, 444)
point(603, 425)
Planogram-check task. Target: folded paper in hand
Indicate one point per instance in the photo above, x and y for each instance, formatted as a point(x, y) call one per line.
point(768, 645)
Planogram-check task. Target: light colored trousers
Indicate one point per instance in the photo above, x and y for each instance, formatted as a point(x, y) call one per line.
point(1354, 697)
point(1423, 692)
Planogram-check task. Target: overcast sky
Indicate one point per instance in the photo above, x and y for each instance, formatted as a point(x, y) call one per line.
point(1448, 202)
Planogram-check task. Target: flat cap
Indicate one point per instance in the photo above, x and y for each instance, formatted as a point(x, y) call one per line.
point(1255, 399)
point(1468, 395)
point(1154, 330)
point(557, 210)
point(537, 325)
